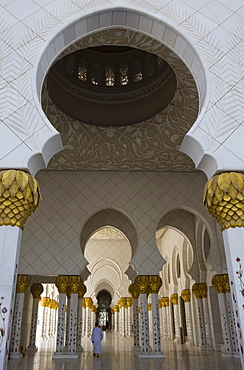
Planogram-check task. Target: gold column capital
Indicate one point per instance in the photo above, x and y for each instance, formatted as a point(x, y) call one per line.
point(88, 302)
point(174, 299)
point(223, 197)
point(200, 290)
point(165, 301)
point(45, 302)
point(186, 295)
point(75, 283)
point(36, 290)
point(149, 306)
point(61, 283)
point(142, 284)
point(23, 281)
point(129, 301)
point(82, 291)
point(122, 302)
point(133, 291)
point(221, 283)
point(116, 308)
point(19, 197)
point(155, 283)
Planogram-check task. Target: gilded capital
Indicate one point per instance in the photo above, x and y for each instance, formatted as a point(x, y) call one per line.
point(155, 283)
point(23, 281)
point(165, 301)
point(19, 197)
point(45, 302)
point(186, 295)
point(174, 298)
point(142, 284)
point(129, 301)
point(122, 302)
point(82, 291)
point(116, 308)
point(223, 197)
point(75, 283)
point(149, 306)
point(221, 283)
point(133, 291)
point(88, 302)
point(61, 283)
point(36, 290)
point(200, 290)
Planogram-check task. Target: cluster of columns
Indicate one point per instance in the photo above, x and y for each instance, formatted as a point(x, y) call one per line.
point(142, 287)
point(48, 314)
point(122, 316)
point(227, 316)
point(69, 322)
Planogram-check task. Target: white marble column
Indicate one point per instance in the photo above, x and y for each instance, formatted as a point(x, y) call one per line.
point(205, 316)
point(122, 303)
point(62, 285)
point(11, 227)
point(232, 324)
point(175, 300)
point(228, 209)
point(157, 351)
point(73, 325)
point(165, 317)
point(81, 292)
point(186, 296)
point(88, 303)
point(202, 334)
point(222, 286)
point(142, 286)
point(23, 282)
point(83, 332)
point(136, 345)
point(129, 304)
point(36, 291)
point(234, 249)
point(116, 317)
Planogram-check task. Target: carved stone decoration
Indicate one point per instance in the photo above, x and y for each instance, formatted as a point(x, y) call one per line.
point(19, 197)
point(23, 281)
point(75, 283)
point(155, 283)
point(221, 283)
point(186, 295)
point(176, 119)
point(133, 291)
point(61, 283)
point(142, 284)
point(223, 198)
point(36, 290)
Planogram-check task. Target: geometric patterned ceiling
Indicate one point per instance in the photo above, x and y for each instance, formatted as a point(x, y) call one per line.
point(150, 145)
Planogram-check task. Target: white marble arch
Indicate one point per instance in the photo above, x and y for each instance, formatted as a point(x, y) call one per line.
point(214, 141)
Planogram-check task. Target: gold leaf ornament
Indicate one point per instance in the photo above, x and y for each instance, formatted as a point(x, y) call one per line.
point(225, 202)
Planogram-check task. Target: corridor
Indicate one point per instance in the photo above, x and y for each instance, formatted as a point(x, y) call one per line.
point(117, 355)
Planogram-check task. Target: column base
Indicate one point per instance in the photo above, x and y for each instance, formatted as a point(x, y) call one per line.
point(58, 356)
point(31, 349)
point(79, 349)
point(151, 355)
point(202, 348)
point(15, 356)
point(189, 344)
point(136, 348)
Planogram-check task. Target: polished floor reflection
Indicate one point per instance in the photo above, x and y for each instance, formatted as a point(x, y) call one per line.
point(117, 355)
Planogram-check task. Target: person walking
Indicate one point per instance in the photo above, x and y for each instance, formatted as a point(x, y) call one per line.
point(96, 338)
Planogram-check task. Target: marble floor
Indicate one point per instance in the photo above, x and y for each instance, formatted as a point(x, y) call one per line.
point(117, 355)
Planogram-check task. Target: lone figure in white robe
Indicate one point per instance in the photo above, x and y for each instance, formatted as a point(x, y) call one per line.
point(96, 338)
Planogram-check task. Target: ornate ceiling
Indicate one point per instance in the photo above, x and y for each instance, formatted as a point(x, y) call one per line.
point(151, 145)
